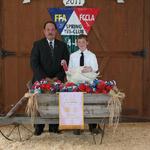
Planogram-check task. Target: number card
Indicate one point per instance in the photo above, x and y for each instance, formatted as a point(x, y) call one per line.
point(73, 2)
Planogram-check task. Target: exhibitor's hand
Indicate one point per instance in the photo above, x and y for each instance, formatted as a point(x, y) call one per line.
point(48, 79)
point(51, 80)
point(86, 69)
point(55, 79)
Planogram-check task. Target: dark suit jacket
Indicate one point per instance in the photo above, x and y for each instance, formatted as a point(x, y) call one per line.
point(42, 63)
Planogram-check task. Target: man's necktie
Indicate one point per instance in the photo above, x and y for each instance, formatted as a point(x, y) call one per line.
point(52, 48)
point(82, 59)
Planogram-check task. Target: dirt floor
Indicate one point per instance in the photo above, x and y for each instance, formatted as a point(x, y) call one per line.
point(131, 136)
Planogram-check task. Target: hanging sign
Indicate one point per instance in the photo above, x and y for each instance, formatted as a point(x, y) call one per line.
point(26, 1)
point(73, 2)
point(72, 22)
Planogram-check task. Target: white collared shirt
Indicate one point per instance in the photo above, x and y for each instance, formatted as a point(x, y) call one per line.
point(89, 60)
point(51, 41)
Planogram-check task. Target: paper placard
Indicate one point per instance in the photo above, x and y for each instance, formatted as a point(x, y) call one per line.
point(71, 114)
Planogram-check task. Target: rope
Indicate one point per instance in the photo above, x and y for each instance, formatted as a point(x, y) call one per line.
point(32, 106)
point(114, 106)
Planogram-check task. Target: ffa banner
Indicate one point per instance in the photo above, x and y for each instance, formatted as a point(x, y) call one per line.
point(71, 114)
point(73, 21)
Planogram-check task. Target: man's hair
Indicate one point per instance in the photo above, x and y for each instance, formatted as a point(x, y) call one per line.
point(52, 22)
point(82, 36)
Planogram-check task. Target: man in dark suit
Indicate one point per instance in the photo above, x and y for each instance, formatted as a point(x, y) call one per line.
point(47, 55)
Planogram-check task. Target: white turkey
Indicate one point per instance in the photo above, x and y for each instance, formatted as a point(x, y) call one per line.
point(77, 76)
